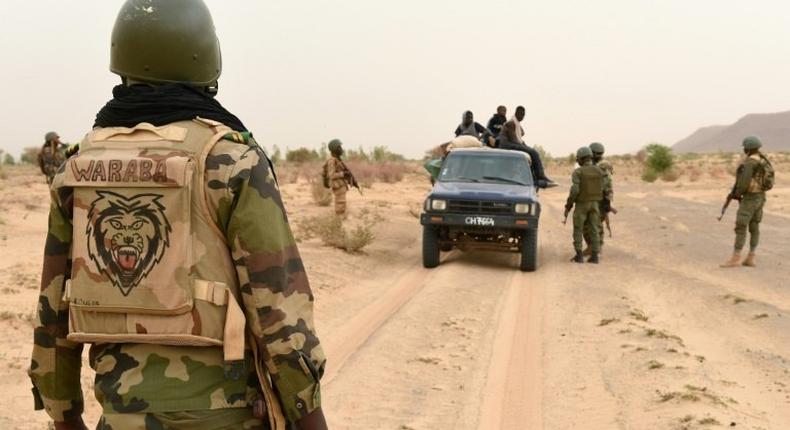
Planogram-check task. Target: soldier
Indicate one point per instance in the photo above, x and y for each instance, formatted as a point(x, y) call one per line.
point(169, 251)
point(587, 190)
point(754, 177)
point(598, 151)
point(338, 176)
point(51, 155)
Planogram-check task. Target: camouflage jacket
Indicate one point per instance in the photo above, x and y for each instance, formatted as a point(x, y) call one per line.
point(336, 173)
point(50, 159)
point(138, 378)
point(578, 189)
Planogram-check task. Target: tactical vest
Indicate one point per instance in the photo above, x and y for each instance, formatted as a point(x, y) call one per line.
point(149, 264)
point(591, 186)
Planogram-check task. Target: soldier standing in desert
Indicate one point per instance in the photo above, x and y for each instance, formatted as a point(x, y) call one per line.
point(51, 155)
point(754, 177)
point(587, 190)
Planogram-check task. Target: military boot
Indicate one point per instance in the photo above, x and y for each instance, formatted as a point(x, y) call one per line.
point(734, 261)
point(578, 258)
point(587, 252)
point(749, 261)
point(593, 258)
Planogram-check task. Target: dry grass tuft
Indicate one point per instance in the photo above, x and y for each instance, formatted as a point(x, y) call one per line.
point(322, 196)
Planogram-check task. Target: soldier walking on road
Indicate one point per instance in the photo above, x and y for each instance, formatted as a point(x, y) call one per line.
point(170, 253)
point(598, 151)
point(51, 155)
point(587, 190)
point(754, 177)
point(338, 177)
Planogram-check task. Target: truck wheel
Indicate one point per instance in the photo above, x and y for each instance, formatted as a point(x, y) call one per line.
point(529, 251)
point(430, 247)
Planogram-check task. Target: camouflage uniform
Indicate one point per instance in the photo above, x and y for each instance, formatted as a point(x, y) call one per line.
point(587, 189)
point(750, 208)
point(605, 205)
point(50, 158)
point(150, 386)
point(336, 173)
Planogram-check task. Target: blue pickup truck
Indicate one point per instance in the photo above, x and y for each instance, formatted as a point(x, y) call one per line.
point(482, 199)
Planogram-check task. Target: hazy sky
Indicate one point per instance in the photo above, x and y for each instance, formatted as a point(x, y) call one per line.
point(399, 73)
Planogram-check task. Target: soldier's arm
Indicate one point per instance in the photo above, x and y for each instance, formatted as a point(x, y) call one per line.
point(744, 178)
point(55, 363)
point(276, 294)
point(608, 191)
point(574, 192)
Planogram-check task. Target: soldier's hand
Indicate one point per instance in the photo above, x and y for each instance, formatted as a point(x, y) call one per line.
point(76, 424)
point(347, 175)
point(313, 421)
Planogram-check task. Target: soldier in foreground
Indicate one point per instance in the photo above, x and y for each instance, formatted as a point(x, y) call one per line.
point(598, 151)
point(51, 155)
point(338, 177)
point(587, 190)
point(169, 251)
point(754, 177)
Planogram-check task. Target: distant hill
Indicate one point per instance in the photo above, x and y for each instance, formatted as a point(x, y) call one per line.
point(772, 128)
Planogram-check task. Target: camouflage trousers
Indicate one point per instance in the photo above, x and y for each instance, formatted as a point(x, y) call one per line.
point(588, 232)
point(340, 200)
point(587, 213)
point(219, 419)
point(750, 214)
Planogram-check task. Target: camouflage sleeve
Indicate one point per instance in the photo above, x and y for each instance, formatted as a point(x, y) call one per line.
point(608, 191)
point(55, 364)
point(276, 294)
point(574, 192)
point(744, 178)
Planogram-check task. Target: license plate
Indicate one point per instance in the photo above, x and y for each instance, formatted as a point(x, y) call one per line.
point(480, 221)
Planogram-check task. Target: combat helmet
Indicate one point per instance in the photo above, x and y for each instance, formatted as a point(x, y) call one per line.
point(584, 152)
point(597, 148)
point(752, 142)
point(49, 137)
point(166, 41)
point(335, 146)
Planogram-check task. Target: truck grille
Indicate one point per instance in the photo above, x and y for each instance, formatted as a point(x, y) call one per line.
point(479, 207)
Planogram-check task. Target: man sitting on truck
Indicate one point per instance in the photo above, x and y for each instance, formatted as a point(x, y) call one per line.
point(512, 137)
point(469, 127)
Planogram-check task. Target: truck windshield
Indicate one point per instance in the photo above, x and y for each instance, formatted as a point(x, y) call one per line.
point(484, 168)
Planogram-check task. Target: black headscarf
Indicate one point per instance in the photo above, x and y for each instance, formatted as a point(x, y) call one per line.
point(160, 105)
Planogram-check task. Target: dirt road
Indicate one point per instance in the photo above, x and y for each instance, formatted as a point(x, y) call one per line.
point(656, 337)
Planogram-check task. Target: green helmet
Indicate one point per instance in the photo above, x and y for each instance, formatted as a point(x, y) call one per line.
point(583, 152)
point(597, 148)
point(335, 145)
point(752, 142)
point(49, 137)
point(166, 41)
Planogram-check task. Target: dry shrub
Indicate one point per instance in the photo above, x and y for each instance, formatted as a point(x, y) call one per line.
point(649, 175)
point(368, 173)
point(322, 196)
point(332, 232)
point(693, 173)
point(670, 175)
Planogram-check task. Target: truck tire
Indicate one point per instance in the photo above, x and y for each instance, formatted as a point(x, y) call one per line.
point(529, 251)
point(430, 247)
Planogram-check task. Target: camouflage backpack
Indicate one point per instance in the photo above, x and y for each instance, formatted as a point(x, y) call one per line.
point(766, 177)
point(149, 263)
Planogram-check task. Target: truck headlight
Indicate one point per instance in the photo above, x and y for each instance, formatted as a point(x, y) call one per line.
point(522, 208)
point(439, 205)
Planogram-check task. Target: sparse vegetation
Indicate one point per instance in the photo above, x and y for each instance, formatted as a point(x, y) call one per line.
point(333, 232)
point(660, 334)
point(760, 316)
point(638, 315)
point(607, 321)
point(654, 365)
point(659, 162)
point(322, 196)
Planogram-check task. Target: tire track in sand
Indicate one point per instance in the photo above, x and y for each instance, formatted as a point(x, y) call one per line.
point(348, 339)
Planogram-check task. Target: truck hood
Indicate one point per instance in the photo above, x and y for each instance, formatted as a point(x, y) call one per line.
point(484, 191)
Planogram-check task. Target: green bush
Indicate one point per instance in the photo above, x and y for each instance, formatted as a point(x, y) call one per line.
point(301, 155)
point(649, 175)
point(659, 157)
point(8, 159)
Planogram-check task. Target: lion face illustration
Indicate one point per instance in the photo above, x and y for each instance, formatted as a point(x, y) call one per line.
point(127, 236)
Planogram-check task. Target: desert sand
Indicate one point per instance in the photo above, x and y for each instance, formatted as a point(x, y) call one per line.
point(656, 337)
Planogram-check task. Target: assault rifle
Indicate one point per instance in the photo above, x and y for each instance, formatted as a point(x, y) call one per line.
point(730, 198)
point(606, 220)
point(349, 177)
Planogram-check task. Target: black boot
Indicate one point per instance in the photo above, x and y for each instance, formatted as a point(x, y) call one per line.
point(578, 258)
point(593, 258)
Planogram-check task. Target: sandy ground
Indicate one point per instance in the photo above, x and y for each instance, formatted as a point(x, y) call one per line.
point(656, 337)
